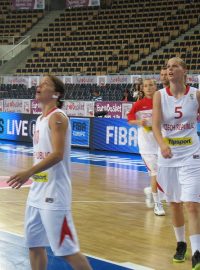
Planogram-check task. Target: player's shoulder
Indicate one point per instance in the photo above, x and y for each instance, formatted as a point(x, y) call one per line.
point(58, 116)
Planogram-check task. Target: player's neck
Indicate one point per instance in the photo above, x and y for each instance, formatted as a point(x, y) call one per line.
point(177, 89)
point(47, 108)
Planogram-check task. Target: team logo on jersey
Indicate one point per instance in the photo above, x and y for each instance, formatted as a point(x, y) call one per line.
point(49, 200)
point(196, 156)
point(41, 177)
point(179, 141)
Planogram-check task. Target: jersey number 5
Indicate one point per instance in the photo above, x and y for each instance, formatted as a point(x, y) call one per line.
point(178, 112)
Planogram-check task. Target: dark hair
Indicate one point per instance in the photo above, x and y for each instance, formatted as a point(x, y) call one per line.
point(96, 91)
point(60, 88)
point(163, 68)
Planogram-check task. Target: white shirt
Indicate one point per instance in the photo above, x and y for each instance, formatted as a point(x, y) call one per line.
point(179, 128)
point(51, 188)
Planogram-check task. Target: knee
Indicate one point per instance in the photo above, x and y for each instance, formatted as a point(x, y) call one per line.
point(192, 208)
point(176, 206)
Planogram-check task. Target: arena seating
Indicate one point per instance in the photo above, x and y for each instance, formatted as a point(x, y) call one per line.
point(99, 41)
point(15, 23)
point(73, 91)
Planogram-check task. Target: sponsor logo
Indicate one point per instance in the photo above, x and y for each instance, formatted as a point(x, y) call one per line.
point(196, 156)
point(49, 200)
point(179, 141)
point(41, 177)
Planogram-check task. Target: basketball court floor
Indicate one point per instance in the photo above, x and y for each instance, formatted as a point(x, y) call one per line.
point(115, 229)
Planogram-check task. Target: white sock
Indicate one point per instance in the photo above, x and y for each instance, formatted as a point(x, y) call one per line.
point(155, 197)
point(180, 233)
point(195, 242)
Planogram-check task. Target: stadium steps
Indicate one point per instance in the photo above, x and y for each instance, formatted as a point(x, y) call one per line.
point(20, 60)
point(180, 38)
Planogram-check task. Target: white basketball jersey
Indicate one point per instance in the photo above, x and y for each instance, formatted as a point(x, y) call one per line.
point(51, 189)
point(179, 128)
point(142, 109)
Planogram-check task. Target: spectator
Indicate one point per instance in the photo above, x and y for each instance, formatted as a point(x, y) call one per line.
point(163, 77)
point(127, 96)
point(96, 96)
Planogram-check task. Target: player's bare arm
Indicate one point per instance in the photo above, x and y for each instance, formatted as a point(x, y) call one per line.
point(141, 122)
point(198, 98)
point(156, 126)
point(58, 125)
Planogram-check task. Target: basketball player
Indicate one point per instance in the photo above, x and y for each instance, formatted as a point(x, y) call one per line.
point(48, 218)
point(175, 113)
point(141, 115)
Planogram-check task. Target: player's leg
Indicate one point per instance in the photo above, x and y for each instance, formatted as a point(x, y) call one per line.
point(78, 261)
point(168, 182)
point(158, 206)
point(189, 179)
point(38, 258)
point(35, 237)
point(178, 222)
point(63, 238)
point(153, 198)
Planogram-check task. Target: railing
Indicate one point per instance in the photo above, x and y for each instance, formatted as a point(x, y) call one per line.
point(16, 49)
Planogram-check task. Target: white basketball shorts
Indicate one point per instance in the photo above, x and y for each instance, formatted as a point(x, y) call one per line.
point(54, 228)
point(151, 163)
point(180, 184)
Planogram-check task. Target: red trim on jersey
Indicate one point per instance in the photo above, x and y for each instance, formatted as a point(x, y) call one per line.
point(140, 105)
point(159, 187)
point(65, 231)
point(52, 110)
point(170, 94)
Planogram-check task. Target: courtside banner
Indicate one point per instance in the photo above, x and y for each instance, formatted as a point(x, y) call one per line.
point(81, 3)
point(80, 131)
point(17, 126)
point(28, 4)
point(1, 105)
point(114, 134)
point(113, 108)
point(17, 105)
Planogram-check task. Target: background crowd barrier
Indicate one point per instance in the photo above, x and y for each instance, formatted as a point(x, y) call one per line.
point(93, 133)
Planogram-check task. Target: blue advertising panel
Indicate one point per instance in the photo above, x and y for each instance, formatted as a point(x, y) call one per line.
point(17, 126)
point(114, 134)
point(80, 134)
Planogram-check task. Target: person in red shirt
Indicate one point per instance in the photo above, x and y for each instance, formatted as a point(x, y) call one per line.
point(141, 115)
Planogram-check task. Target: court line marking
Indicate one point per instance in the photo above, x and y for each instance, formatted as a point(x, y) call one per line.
point(119, 166)
point(113, 202)
point(103, 202)
point(125, 264)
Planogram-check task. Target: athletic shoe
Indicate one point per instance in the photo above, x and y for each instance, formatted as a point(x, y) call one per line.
point(196, 260)
point(158, 209)
point(149, 197)
point(180, 252)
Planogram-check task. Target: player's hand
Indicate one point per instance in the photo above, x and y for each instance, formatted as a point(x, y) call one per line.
point(166, 151)
point(143, 122)
point(17, 180)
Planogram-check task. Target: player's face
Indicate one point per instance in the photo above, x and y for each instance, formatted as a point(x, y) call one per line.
point(163, 77)
point(149, 88)
point(45, 90)
point(175, 71)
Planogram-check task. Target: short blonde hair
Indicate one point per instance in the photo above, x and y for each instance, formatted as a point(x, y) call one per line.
point(149, 79)
point(179, 61)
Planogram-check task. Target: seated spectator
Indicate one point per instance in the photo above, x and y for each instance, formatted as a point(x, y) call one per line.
point(96, 96)
point(127, 96)
point(140, 95)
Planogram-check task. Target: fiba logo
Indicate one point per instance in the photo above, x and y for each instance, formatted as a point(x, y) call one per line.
point(1, 125)
point(31, 129)
point(121, 136)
